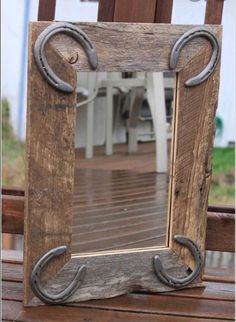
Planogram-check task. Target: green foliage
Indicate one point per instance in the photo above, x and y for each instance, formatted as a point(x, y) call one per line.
point(223, 160)
point(13, 165)
point(222, 194)
point(223, 176)
point(7, 132)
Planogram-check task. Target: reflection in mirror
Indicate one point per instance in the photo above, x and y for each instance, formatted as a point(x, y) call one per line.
point(122, 161)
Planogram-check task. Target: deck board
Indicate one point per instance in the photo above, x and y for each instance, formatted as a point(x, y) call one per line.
point(97, 223)
point(120, 202)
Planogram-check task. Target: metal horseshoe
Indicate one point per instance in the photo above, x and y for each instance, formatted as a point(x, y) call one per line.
point(180, 282)
point(35, 279)
point(183, 40)
point(40, 58)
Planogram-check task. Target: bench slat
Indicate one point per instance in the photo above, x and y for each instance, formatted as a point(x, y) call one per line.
point(220, 234)
point(215, 301)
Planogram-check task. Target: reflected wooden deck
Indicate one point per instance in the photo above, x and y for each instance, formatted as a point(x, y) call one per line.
point(119, 209)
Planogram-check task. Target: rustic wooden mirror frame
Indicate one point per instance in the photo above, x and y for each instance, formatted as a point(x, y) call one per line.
point(50, 158)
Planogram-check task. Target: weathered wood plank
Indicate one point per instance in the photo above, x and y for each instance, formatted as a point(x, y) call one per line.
point(193, 140)
point(50, 165)
point(105, 277)
point(212, 290)
point(116, 43)
point(49, 226)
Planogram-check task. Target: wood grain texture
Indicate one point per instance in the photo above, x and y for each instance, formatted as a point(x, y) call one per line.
point(200, 311)
point(49, 165)
point(50, 134)
point(193, 140)
point(134, 11)
point(12, 272)
point(214, 12)
point(13, 214)
point(163, 11)
point(222, 275)
point(106, 10)
point(111, 275)
point(46, 10)
point(226, 223)
point(11, 310)
point(116, 43)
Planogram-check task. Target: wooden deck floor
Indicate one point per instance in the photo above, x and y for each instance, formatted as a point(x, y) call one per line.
point(142, 161)
point(119, 201)
point(119, 210)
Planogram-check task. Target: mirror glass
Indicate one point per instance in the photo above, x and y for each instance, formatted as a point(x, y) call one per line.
point(122, 161)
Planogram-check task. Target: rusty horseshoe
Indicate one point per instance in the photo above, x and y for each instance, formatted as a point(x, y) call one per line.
point(183, 40)
point(40, 58)
point(35, 279)
point(180, 282)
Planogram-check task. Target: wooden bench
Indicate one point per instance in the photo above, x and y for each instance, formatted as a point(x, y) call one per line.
point(215, 302)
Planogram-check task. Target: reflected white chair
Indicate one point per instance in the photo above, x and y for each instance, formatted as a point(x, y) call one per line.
point(154, 84)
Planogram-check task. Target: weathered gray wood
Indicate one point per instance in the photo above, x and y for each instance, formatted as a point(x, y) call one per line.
point(49, 165)
point(193, 140)
point(127, 46)
point(50, 155)
point(116, 274)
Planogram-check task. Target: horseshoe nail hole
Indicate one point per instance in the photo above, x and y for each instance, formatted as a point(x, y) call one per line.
point(73, 58)
point(189, 271)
